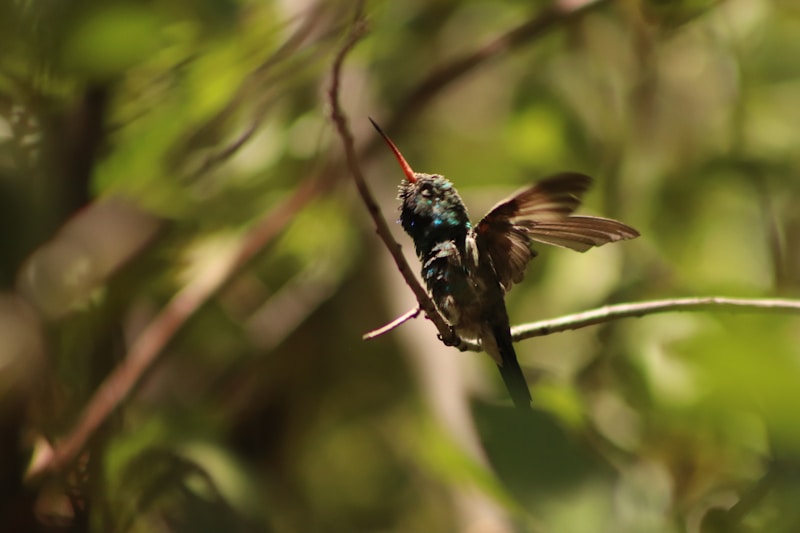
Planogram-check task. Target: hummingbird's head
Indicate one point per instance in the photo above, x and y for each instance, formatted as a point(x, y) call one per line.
point(432, 209)
point(433, 202)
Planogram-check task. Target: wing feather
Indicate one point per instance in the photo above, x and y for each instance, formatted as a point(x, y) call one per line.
point(543, 213)
point(579, 233)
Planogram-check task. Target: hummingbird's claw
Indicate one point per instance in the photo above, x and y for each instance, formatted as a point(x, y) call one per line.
point(453, 340)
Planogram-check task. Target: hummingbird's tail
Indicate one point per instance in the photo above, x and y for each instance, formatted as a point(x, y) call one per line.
point(509, 366)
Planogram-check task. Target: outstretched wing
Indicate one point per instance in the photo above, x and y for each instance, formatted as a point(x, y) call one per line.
point(543, 213)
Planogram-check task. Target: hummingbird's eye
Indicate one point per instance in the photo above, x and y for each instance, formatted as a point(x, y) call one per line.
point(425, 190)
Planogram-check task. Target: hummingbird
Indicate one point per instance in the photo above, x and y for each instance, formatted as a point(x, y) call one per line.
point(469, 268)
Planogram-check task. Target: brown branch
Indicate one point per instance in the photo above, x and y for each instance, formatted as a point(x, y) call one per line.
point(382, 227)
point(610, 313)
point(397, 322)
point(640, 309)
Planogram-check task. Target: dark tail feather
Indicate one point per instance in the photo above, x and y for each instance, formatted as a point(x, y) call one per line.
point(510, 369)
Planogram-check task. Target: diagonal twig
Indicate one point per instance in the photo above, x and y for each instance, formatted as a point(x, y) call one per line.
point(382, 227)
point(397, 322)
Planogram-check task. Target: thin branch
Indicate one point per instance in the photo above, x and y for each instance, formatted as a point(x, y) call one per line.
point(610, 313)
point(640, 309)
point(399, 321)
point(382, 227)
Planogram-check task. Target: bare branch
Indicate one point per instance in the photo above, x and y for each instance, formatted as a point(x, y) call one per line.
point(382, 227)
point(610, 313)
point(639, 309)
point(399, 321)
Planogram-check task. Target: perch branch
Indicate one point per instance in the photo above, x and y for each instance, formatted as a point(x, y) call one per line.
point(640, 309)
point(610, 313)
point(382, 227)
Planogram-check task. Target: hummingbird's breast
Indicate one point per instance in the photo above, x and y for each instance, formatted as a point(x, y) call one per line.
point(453, 268)
point(461, 286)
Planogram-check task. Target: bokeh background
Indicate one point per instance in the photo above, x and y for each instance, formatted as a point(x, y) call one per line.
point(145, 145)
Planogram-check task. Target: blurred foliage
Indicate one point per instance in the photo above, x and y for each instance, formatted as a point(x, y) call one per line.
point(141, 140)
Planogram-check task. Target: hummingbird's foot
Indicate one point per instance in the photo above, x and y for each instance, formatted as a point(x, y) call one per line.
point(453, 340)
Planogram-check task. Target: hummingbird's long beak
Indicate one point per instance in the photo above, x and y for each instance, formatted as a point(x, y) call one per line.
point(407, 170)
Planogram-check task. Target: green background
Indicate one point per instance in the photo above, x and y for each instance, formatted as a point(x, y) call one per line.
point(267, 412)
